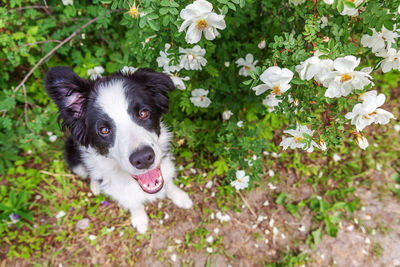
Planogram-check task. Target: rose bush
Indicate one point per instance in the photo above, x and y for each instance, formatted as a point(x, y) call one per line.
point(246, 70)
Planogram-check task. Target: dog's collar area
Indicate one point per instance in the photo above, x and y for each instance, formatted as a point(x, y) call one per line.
point(151, 182)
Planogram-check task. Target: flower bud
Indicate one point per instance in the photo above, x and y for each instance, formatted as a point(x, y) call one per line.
point(227, 63)
point(328, 2)
point(362, 141)
point(322, 145)
point(226, 115)
point(325, 39)
point(262, 44)
point(296, 102)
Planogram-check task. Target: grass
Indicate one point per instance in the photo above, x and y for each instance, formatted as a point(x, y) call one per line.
point(306, 189)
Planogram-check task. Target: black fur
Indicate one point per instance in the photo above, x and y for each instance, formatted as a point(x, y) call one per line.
point(76, 100)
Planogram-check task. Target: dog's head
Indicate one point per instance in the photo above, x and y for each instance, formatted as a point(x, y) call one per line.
point(118, 116)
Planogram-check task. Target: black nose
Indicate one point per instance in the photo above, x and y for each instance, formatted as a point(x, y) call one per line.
point(142, 158)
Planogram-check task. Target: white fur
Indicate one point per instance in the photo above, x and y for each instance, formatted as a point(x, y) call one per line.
point(112, 173)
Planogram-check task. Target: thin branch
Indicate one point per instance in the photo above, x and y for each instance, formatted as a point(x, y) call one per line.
point(52, 52)
point(247, 204)
point(42, 42)
point(56, 48)
point(56, 174)
point(26, 106)
point(28, 7)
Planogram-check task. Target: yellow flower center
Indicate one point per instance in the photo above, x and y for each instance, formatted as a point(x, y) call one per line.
point(383, 37)
point(202, 98)
point(298, 139)
point(201, 24)
point(345, 78)
point(276, 90)
point(372, 113)
point(239, 180)
point(134, 12)
point(246, 67)
point(395, 59)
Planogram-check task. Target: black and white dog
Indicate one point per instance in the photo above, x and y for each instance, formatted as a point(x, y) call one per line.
point(117, 137)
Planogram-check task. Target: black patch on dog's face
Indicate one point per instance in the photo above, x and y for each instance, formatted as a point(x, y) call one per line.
point(97, 119)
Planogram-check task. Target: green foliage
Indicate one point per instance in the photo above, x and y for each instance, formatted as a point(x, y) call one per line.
point(202, 138)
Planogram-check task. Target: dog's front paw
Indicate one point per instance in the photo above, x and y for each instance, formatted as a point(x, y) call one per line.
point(95, 187)
point(140, 222)
point(181, 199)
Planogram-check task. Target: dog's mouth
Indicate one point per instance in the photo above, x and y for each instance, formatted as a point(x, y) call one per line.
point(151, 182)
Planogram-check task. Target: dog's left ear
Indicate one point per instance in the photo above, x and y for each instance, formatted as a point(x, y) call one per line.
point(159, 84)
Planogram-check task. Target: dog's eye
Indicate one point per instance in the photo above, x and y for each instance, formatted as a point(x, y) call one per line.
point(104, 131)
point(144, 114)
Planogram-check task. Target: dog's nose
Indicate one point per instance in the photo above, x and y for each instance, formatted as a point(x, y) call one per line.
point(142, 158)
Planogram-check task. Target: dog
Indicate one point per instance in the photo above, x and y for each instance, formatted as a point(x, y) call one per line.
point(117, 137)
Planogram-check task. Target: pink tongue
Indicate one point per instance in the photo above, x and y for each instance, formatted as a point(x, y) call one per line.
point(151, 181)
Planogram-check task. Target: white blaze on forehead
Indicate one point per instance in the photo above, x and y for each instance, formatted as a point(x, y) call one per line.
point(113, 102)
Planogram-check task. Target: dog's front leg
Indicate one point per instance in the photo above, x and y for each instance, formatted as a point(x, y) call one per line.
point(178, 197)
point(139, 219)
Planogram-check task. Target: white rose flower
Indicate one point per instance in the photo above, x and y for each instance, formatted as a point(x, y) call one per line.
point(192, 58)
point(367, 112)
point(295, 141)
point(352, 11)
point(323, 22)
point(201, 20)
point(296, 2)
point(271, 102)
point(362, 141)
point(314, 68)
point(199, 98)
point(178, 81)
point(242, 180)
point(163, 60)
point(345, 79)
point(226, 115)
point(329, 2)
point(276, 79)
point(391, 59)
point(247, 64)
point(95, 72)
point(379, 40)
point(127, 70)
point(67, 2)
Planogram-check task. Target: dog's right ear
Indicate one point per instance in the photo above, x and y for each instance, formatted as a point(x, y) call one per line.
point(68, 91)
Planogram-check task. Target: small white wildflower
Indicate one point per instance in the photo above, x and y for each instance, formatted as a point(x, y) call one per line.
point(166, 216)
point(92, 237)
point(53, 138)
point(271, 173)
point(60, 214)
point(350, 227)
point(161, 222)
point(276, 79)
point(212, 216)
point(192, 58)
point(227, 64)
point(302, 228)
point(242, 180)
point(367, 241)
point(209, 184)
point(240, 124)
point(199, 98)
point(271, 186)
point(95, 72)
point(112, 228)
point(364, 252)
point(266, 203)
point(271, 222)
point(210, 239)
point(247, 64)
point(336, 157)
point(209, 250)
point(296, 140)
point(275, 231)
point(216, 230)
point(173, 257)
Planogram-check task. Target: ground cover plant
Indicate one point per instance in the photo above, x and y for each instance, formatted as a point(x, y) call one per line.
point(285, 111)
